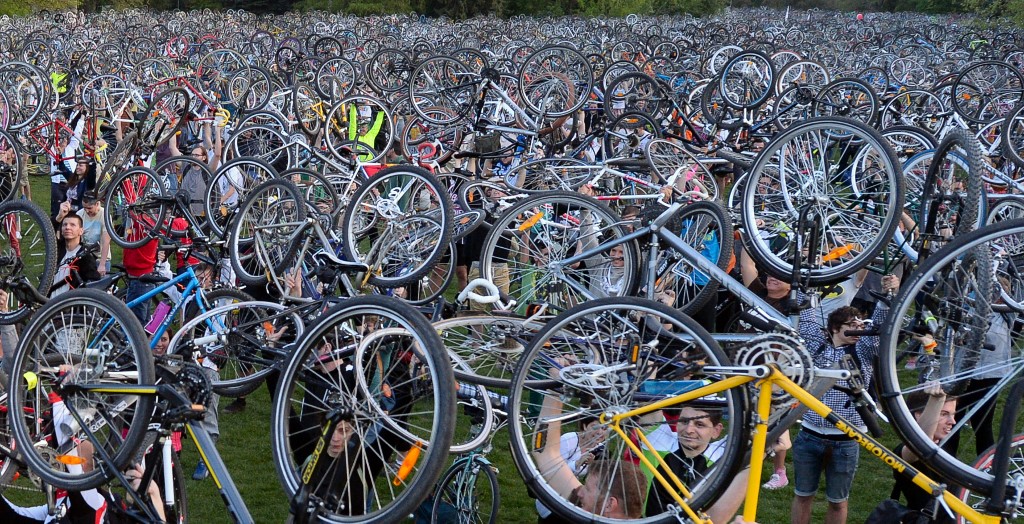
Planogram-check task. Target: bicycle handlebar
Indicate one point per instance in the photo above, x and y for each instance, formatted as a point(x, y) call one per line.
point(494, 295)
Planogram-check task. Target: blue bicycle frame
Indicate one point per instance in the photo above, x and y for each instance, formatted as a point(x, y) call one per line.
point(189, 275)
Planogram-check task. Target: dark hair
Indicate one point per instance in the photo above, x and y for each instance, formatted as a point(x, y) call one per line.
point(841, 316)
point(74, 216)
point(89, 197)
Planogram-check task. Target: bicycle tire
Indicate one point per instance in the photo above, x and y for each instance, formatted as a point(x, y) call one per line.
point(27, 236)
point(488, 344)
point(164, 116)
point(513, 254)
point(1012, 136)
point(605, 333)
point(262, 231)
point(984, 463)
point(956, 162)
point(737, 87)
point(949, 284)
point(189, 177)
point(229, 187)
point(135, 208)
point(555, 81)
point(705, 227)
point(425, 402)
point(433, 285)
point(860, 227)
point(91, 327)
point(243, 336)
point(413, 217)
point(467, 503)
point(442, 81)
point(340, 132)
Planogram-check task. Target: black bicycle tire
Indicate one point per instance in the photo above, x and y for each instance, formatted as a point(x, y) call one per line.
point(433, 457)
point(889, 366)
point(42, 223)
point(734, 402)
point(443, 216)
point(240, 243)
point(455, 474)
point(970, 214)
point(117, 233)
point(134, 340)
point(721, 223)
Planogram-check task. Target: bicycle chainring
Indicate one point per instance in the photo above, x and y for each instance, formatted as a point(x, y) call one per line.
point(785, 352)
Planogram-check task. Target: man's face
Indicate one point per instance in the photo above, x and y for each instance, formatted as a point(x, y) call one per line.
point(70, 228)
point(339, 439)
point(840, 338)
point(947, 419)
point(590, 498)
point(696, 430)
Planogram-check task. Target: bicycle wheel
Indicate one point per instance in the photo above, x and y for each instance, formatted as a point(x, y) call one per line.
point(361, 124)
point(601, 357)
point(986, 91)
point(555, 81)
point(246, 341)
point(489, 344)
point(704, 227)
point(848, 97)
point(1012, 136)
point(808, 167)
point(747, 80)
point(547, 174)
point(94, 339)
point(261, 238)
point(410, 228)
point(984, 464)
point(468, 492)
point(428, 288)
point(189, 177)
point(377, 363)
point(635, 92)
point(444, 82)
point(135, 207)
point(628, 135)
point(952, 198)
point(534, 235)
point(263, 142)
point(164, 116)
point(229, 188)
point(951, 297)
point(28, 247)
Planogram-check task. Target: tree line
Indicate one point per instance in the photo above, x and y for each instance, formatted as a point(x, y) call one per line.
point(469, 8)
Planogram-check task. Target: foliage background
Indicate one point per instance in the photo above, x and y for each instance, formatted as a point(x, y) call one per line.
point(469, 8)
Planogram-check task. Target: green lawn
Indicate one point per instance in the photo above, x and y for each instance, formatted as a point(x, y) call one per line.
point(245, 447)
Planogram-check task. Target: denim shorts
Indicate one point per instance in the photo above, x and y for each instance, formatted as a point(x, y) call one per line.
point(837, 458)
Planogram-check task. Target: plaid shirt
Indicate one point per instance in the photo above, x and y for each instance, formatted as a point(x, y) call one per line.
point(825, 355)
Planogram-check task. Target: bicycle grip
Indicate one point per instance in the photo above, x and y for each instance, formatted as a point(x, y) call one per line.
point(467, 154)
point(872, 332)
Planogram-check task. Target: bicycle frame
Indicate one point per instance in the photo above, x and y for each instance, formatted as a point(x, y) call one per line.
point(767, 378)
point(204, 443)
point(691, 255)
point(192, 293)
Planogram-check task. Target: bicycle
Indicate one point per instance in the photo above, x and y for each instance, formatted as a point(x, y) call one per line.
point(645, 358)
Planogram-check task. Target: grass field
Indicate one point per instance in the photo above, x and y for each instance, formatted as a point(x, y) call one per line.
point(245, 447)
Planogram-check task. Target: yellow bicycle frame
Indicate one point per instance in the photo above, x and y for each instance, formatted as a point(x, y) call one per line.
point(681, 494)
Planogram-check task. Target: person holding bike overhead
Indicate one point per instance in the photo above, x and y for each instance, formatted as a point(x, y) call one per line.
point(361, 131)
point(77, 264)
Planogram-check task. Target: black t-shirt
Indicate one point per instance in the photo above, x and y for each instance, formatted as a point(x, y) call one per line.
point(689, 471)
point(917, 498)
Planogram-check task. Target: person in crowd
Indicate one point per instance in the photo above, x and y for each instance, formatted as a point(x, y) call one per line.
point(935, 412)
point(820, 447)
point(76, 263)
point(95, 232)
